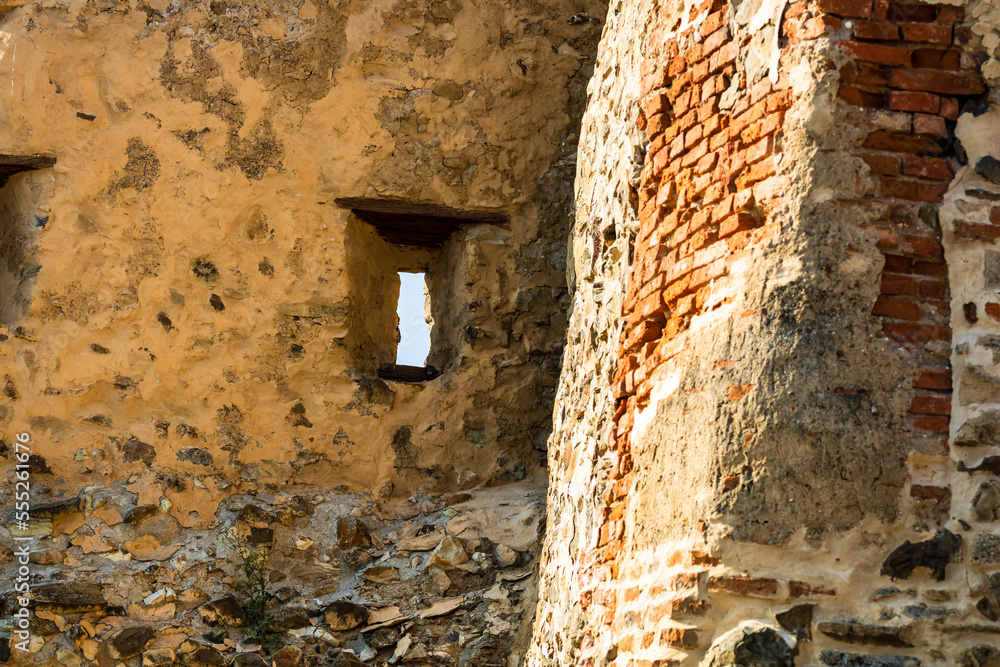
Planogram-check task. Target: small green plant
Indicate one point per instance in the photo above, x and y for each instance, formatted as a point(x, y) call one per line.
point(253, 584)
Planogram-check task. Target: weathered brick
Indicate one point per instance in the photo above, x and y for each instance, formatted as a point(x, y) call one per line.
point(937, 169)
point(900, 100)
point(881, 30)
point(929, 125)
point(936, 81)
point(930, 404)
point(937, 58)
point(901, 143)
point(847, 8)
point(928, 33)
point(744, 586)
point(877, 53)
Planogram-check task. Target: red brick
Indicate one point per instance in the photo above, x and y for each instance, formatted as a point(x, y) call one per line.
point(714, 41)
point(901, 309)
point(976, 232)
point(930, 404)
point(937, 58)
point(933, 289)
point(800, 589)
point(881, 163)
point(993, 310)
point(877, 53)
point(901, 100)
point(679, 637)
point(950, 14)
point(851, 8)
point(933, 379)
point(744, 586)
point(913, 190)
point(712, 22)
point(922, 246)
point(911, 12)
point(937, 169)
point(881, 140)
point(862, 98)
point(928, 33)
point(932, 424)
point(882, 30)
point(930, 125)
point(896, 284)
point(657, 103)
point(936, 81)
point(909, 332)
point(949, 108)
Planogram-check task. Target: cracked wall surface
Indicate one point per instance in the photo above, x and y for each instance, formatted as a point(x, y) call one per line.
point(190, 327)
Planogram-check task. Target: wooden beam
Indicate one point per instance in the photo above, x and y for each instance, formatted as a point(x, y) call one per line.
point(416, 223)
point(399, 373)
point(15, 164)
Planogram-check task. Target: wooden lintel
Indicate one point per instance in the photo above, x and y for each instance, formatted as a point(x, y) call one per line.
point(416, 223)
point(15, 164)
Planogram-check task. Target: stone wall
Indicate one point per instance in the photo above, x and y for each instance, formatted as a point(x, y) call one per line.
point(191, 327)
point(779, 477)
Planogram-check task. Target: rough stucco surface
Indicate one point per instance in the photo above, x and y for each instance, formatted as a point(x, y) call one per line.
point(191, 326)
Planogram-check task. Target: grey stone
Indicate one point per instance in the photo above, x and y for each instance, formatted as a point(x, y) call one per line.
point(980, 656)
point(797, 620)
point(986, 549)
point(987, 501)
point(842, 659)
point(859, 633)
point(751, 644)
point(983, 430)
point(989, 168)
point(195, 455)
point(977, 384)
point(137, 450)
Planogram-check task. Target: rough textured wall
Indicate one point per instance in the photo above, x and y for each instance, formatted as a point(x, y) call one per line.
point(192, 326)
point(609, 160)
point(780, 482)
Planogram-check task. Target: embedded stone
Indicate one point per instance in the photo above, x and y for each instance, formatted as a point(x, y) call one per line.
point(75, 594)
point(842, 659)
point(158, 657)
point(224, 611)
point(289, 618)
point(449, 553)
point(987, 501)
point(131, 641)
point(352, 533)
point(934, 554)
point(750, 643)
point(859, 633)
point(980, 656)
point(206, 655)
point(506, 557)
point(381, 574)
point(344, 615)
point(986, 549)
point(983, 430)
point(288, 656)
point(249, 660)
point(346, 659)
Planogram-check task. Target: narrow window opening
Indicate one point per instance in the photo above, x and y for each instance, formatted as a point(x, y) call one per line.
point(414, 342)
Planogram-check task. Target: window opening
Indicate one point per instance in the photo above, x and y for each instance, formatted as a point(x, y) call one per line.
point(414, 340)
point(428, 260)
